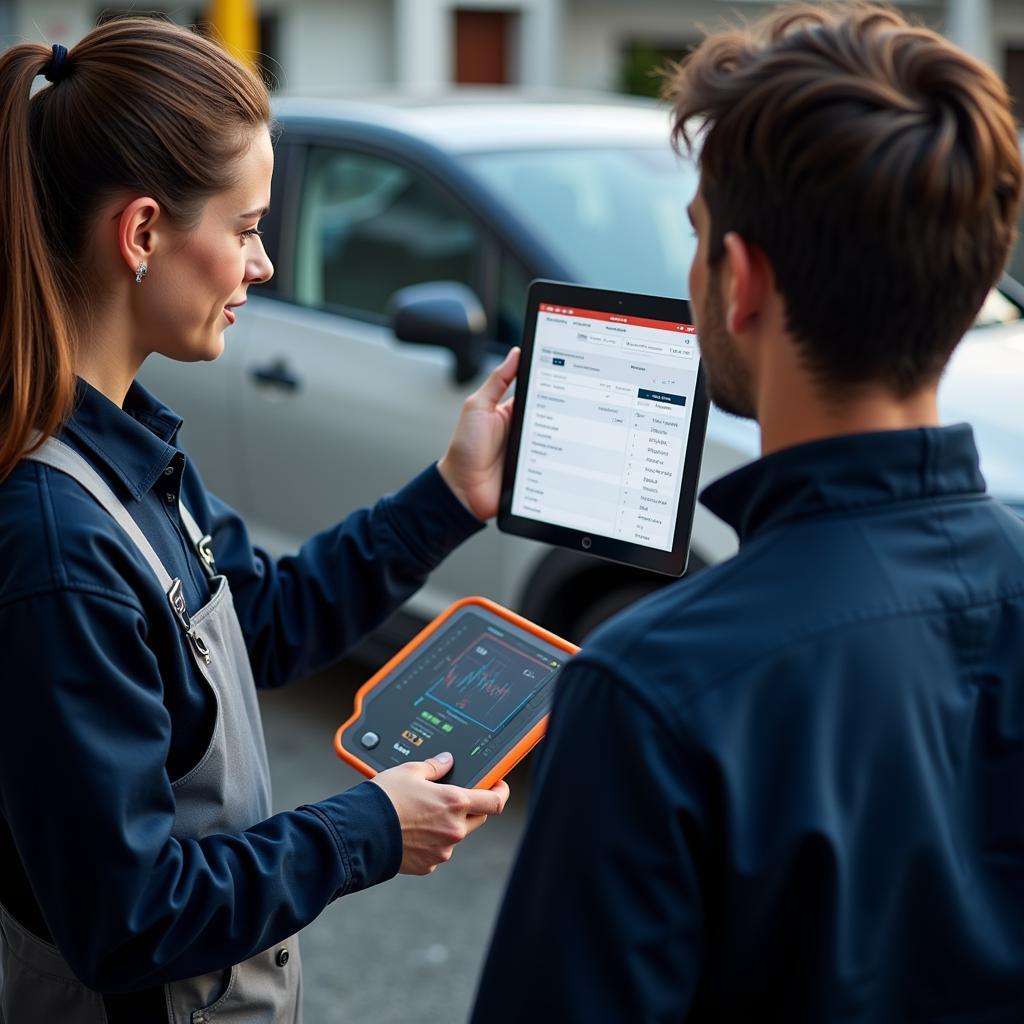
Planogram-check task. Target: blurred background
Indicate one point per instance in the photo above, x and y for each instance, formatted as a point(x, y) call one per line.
point(464, 148)
point(310, 46)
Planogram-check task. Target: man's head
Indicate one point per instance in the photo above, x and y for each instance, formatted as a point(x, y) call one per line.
point(861, 173)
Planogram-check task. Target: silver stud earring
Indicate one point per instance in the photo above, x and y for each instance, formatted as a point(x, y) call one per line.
point(140, 272)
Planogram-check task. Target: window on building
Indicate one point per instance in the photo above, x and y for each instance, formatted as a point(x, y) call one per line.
point(368, 226)
point(644, 61)
point(1014, 64)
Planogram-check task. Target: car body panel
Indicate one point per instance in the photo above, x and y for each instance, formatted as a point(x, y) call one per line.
point(365, 412)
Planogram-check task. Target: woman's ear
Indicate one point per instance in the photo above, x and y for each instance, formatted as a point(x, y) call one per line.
point(137, 231)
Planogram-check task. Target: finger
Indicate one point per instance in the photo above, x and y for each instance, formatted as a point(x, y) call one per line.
point(502, 790)
point(435, 767)
point(474, 821)
point(483, 801)
point(498, 381)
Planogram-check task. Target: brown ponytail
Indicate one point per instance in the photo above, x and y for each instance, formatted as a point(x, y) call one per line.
point(142, 106)
point(36, 358)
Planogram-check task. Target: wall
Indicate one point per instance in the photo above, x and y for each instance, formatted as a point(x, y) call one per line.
point(349, 45)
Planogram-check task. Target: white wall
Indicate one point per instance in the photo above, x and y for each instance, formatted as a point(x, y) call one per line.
point(424, 41)
point(337, 45)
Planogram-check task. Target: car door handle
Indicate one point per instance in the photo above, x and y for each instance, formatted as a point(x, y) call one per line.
point(277, 375)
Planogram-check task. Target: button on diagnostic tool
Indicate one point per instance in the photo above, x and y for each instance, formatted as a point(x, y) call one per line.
point(370, 740)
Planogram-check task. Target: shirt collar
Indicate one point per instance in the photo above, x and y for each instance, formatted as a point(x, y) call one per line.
point(848, 472)
point(136, 442)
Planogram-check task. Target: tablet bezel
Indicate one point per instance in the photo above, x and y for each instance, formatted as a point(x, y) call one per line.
point(653, 307)
point(519, 749)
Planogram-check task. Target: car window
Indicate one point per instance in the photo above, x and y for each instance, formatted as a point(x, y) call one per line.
point(513, 284)
point(368, 226)
point(615, 218)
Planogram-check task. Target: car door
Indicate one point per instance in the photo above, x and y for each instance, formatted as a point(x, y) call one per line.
point(335, 411)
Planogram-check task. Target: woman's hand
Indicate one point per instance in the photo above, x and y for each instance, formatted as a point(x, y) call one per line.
point(435, 817)
point(472, 465)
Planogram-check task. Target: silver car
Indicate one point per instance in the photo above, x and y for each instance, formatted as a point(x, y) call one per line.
point(317, 407)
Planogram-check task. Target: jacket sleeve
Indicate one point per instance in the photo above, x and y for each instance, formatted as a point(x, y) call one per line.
point(304, 611)
point(86, 795)
point(603, 916)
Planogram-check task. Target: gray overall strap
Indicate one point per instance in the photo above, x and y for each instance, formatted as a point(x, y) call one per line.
point(58, 455)
point(202, 542)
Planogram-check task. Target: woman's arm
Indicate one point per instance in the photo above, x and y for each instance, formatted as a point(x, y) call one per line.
point(84, 789)
point(304, 611)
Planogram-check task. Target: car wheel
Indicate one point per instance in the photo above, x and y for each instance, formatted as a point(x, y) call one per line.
point(583, 602)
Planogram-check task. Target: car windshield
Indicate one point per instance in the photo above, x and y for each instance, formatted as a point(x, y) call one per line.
point(616, 218)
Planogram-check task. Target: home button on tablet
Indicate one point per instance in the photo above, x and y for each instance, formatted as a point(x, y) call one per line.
point(586, 542)
point(370, 740)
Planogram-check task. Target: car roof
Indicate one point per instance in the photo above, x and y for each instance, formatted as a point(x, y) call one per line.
point(478, 121)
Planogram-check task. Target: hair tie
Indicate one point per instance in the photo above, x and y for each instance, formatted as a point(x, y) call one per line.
point(57, 66)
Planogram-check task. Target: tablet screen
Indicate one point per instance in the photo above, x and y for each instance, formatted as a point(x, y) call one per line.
point(605, 424)
point(475, 686)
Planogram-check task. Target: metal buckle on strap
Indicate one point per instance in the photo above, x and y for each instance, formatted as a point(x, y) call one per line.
point(176, 600)
point(205, 550)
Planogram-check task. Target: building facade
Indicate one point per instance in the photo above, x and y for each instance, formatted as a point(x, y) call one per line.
point(332, 46)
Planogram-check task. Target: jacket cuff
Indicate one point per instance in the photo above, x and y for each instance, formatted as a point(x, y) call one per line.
point(368, 834)
point(428, 518)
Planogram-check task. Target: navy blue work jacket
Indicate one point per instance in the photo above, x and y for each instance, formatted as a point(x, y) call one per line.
point(102, 706)
point(791, 788)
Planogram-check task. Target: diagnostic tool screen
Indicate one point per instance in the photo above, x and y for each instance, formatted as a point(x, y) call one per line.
point(475, 687)
point(606, 422)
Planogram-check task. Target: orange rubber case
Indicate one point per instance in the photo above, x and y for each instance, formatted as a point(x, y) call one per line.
point(519, 751)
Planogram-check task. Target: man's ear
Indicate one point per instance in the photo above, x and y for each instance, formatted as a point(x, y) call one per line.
point(137, 231)
point(747, 280)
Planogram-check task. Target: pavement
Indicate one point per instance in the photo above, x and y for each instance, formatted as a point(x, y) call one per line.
point(410, 948)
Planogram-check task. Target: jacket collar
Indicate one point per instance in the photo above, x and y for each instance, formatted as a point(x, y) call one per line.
point(135, 443)
point(854, 471)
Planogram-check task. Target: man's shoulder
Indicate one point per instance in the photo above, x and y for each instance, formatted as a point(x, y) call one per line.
point(687, 630)
point(832, 584)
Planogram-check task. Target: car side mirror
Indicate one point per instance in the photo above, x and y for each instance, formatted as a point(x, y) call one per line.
point(442, 313)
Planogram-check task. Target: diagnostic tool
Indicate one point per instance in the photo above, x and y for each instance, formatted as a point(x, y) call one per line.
point(477, 682)
point(608, 426)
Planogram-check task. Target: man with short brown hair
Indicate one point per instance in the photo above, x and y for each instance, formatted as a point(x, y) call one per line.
point(789, 788)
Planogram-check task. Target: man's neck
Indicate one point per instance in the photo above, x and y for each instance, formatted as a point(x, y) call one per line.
point(792, 411)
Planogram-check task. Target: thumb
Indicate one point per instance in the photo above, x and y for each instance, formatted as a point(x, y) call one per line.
point(437, 767)
point(499, 379)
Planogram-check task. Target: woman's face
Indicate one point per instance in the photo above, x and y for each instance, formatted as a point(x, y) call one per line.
point(198, 278)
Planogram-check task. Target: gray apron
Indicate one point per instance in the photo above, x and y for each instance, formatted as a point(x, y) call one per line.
point(227, 791)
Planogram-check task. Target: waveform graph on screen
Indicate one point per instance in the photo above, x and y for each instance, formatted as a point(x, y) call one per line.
point(489, 681)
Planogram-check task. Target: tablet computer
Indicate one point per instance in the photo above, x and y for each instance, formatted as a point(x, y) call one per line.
point(477, 682)
point(608, 426)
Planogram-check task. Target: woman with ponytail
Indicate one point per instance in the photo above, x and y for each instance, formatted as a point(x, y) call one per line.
point(142, 875)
